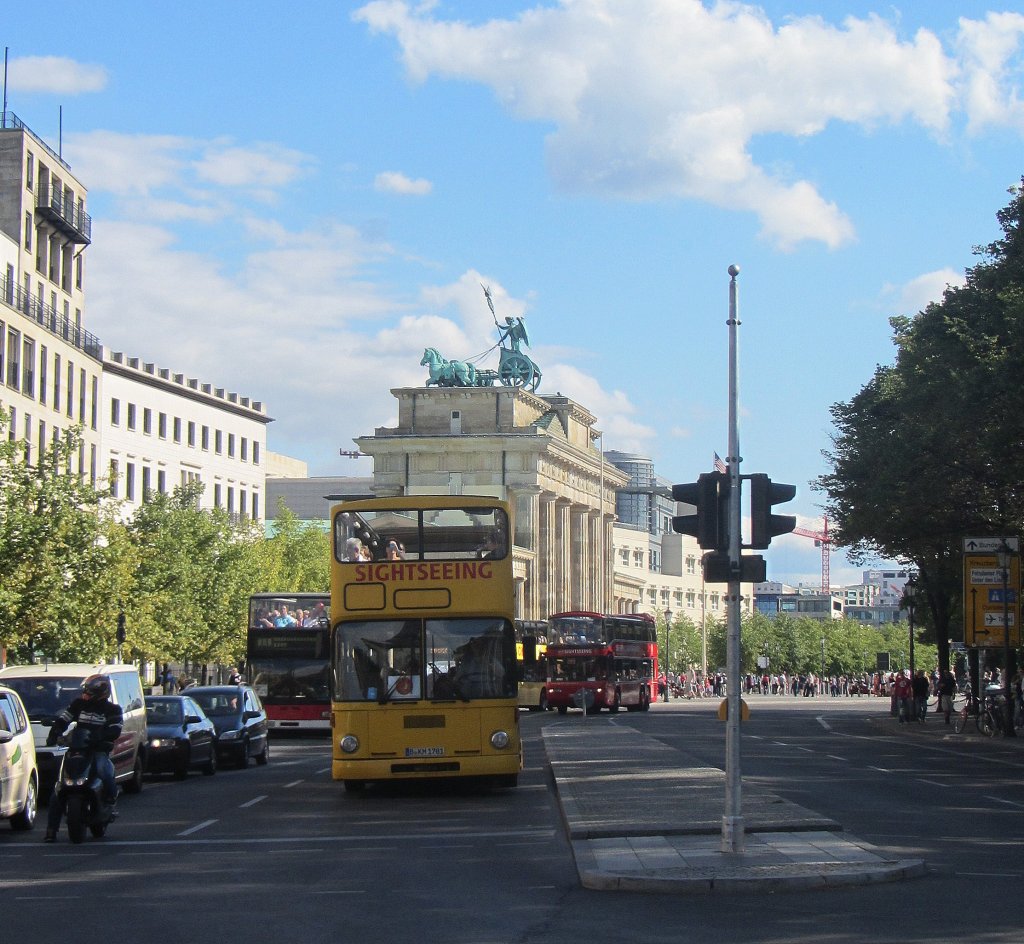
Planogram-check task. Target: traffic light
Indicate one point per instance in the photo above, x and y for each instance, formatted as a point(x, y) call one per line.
point(710, 525)
point(718, 569)
point(122, 633)
point(763, 524)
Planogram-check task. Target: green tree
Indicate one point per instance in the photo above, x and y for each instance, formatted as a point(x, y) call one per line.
point(929, 451)
point(196, 571)
point(298, 556)
point(64, 557)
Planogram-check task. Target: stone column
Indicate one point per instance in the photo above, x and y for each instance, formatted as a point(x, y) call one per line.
point(562, 555)
point(545, 554)
point(579, 568)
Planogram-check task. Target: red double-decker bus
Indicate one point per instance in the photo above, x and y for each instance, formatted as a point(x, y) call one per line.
point(602, 661)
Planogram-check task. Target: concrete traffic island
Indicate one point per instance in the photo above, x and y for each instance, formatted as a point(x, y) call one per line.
point(671, 840)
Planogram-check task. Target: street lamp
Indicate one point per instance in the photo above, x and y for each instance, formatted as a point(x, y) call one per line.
point(909, 589)
point(1005, 556)
point(668, 626)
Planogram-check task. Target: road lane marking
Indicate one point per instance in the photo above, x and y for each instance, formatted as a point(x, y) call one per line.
point(933, 783)
point(1007, 802)
point(196, 828)
point(252, 802)
point(432, 837)
point(837, 757)
point(294, 783)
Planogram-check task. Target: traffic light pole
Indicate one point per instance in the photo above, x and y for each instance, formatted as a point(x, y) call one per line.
point(732, 820)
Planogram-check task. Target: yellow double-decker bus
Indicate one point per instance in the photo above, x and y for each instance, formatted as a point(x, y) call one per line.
point(423, 649)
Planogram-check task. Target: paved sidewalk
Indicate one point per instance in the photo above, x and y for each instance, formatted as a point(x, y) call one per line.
point(671, 843)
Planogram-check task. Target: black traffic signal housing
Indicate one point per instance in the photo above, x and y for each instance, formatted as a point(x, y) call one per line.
point(710, 525)
point(763, 524)
point(718, 568)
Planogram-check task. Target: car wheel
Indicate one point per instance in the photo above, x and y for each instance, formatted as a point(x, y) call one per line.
point(210, 767)
point(26, 817)
point(262, 758)
point(134, 784)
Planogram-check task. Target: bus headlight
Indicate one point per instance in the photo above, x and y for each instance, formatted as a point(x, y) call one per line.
point(349, 744)
point(500, 740)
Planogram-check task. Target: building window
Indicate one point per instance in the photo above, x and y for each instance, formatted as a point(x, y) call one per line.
point(191, 433)
point(78, 271)
point(206, 438)
point(56, 383)
point(113, 478)
point(131, 416)
point(115, 411)
point(129, 481)
point(243, 452)
point(231, 500)
point(70, 399)
point(28, 373)
point(231, 445)
point(216, 494)
point(13, 361)
point(177, 429)
point(161, 481)
point(81, 396)
point(95, 400)
point(255, 507)
point(30, 169)
point(147, 491)
point(28, 231)
point(218, 441)
point(243, 501)
point(255, 455)
point(147, 420)
point(161, 425)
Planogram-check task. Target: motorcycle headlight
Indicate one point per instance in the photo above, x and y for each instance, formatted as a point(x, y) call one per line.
point(349, 744)
point(500, 740)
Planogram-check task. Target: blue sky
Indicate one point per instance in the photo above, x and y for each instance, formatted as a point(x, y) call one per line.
point(293, 200)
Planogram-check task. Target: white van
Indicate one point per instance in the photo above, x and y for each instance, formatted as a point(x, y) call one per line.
point(19, 779)
point(47, 689)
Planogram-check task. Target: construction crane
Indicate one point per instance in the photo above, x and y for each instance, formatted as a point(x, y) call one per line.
point(824, 541)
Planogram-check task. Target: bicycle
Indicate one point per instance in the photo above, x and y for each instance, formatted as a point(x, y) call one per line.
point(987, 714)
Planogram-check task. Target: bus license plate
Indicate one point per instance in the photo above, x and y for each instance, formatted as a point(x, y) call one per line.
point(424, 752)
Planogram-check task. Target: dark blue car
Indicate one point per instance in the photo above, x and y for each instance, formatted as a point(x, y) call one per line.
point(181, 737)
point(241, 722)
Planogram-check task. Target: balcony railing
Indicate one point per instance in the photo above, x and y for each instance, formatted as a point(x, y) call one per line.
point(12, 121)
point(65, 214)
point(49, 318)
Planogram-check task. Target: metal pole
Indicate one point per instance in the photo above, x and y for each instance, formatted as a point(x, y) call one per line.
point(732, 820)
point(1006, 560)
point(668, 627)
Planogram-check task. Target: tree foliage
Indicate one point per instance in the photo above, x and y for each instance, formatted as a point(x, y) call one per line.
point(929, 451)
point(181, 575)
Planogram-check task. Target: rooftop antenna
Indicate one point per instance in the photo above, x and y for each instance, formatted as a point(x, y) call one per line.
point(3, 124)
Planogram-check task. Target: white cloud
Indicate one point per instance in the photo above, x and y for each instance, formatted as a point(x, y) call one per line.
point(987, 49)
point(54, 75)
point(395, 182)
point(663, 98)
point(915, 295)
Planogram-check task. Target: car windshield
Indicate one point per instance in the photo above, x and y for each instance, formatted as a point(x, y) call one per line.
point(45, 697)
point(163, 712)
point(219, 703)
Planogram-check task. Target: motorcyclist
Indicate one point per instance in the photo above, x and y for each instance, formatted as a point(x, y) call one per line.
point(93, 709)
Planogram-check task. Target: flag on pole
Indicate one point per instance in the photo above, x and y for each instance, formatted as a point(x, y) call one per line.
point(720, 466)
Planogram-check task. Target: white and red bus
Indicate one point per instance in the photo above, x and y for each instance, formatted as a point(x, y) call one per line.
point(288, 660)
point(583, 626)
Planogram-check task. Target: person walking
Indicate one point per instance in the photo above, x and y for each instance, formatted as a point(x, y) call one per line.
point(902, 696)
point(947, 691)
point(920, 686)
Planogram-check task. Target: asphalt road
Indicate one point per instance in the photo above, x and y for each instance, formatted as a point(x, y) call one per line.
point(280, 853)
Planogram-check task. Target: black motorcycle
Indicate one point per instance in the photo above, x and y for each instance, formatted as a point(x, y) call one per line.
point(80, 789)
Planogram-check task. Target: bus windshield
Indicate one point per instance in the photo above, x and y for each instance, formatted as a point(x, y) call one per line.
point(440, 659)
